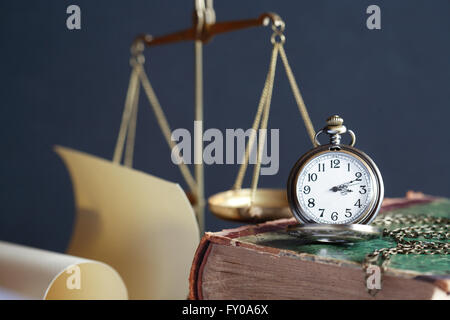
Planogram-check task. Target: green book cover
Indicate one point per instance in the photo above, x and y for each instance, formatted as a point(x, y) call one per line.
point(435, 264)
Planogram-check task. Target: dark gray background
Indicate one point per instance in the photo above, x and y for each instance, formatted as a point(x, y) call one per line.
point(68, 87)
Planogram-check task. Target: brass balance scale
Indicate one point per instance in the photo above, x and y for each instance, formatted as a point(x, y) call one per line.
point(239, 204)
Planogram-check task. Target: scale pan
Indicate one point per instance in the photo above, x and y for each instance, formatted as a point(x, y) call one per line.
point(268, 204)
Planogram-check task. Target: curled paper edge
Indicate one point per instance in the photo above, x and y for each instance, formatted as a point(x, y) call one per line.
point(141, 225)
point(30, 273)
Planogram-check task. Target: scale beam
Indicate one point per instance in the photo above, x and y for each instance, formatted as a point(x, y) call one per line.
point(204, 32)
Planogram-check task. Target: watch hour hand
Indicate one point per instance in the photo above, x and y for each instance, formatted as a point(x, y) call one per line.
point(343, 188)
point(335, 189)
point(339, 187)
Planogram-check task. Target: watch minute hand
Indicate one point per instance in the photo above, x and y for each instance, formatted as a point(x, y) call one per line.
point(347, 183)
point(342, 186)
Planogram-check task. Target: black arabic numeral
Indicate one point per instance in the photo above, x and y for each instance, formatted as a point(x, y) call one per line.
point(321, 212)
point(349, 212)
point(363, 189)
point(306, 189)
point(335, 163)
point(321, 167)
point(334, 216)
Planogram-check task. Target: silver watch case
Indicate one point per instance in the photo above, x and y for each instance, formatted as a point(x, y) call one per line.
point(366, 217)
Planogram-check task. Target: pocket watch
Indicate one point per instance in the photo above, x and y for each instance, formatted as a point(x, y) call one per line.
point(335, 184)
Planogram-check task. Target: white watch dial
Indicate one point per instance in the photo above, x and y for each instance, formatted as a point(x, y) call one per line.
point(335, 188)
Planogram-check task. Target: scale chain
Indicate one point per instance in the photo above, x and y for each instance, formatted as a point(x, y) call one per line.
point(165, 128)
point(278, 39)
point(298, 97)
point(128, 123)
point(127, 115)
point(131, 134)
point(265, 119)
point(256, 122)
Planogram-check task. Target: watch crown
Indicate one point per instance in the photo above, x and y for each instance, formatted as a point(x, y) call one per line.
point(335, 121)
point(335, 128)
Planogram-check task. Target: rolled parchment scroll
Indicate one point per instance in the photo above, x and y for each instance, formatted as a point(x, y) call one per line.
point(29, 273)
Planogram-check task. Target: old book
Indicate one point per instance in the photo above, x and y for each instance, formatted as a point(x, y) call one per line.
point(264, 262)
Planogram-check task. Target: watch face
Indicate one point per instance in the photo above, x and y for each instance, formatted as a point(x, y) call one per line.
point(335, 187)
